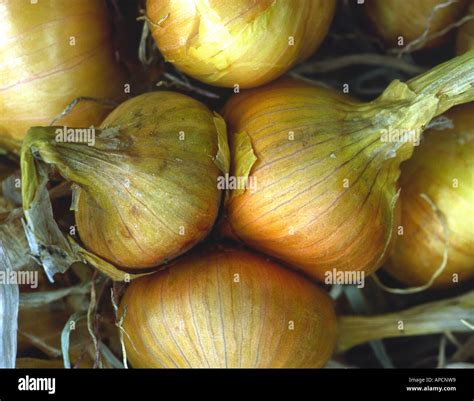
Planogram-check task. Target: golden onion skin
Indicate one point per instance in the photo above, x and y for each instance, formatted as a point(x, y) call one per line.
point(160, 197)
point(319, 170)
point(443, 169)
point(227, 308)
point(301, 212)
point(409, 19)
point(42, 72)
point(465, 36)
point(244, 42)
point(145, 190)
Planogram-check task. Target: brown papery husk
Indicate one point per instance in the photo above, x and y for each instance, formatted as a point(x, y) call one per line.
point(12, 235)
point(40, 329)
point(326, 166)
point(224, 307)
point(411, 20)
point(57, 51)
point(442, 168)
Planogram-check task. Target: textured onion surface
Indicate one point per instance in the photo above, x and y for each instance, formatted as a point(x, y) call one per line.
point(52, 52)
point(325, 186)
point(443, 169)
point(145, 184)
point(227, 308)
point(244, 42)
point(156, 197)
point(395, 19)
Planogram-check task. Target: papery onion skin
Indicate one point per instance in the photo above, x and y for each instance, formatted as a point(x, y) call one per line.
point(244, 42)
point(326, 178)
point(227, 308)
point(144, 193)
point(443, 161)
point(465, 36)
point(148, 231)
point(295, 214)
point(409, 19)
point(41, 72)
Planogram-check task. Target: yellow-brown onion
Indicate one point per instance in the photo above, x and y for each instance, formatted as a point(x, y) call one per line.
point(227, 308)
point(146, 189)
point(52, 52)
point(321, 168)
point(465, 36)
point(244, 42)
point(409, 19)
point(442, 169)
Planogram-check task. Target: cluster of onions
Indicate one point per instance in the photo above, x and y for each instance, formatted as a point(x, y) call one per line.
point(441, 169)
point(246, 43)
point(52, 53)
point(325, 169)
point(412, 20)
point(465, 36)
point(225, 307)
point(146, 191)
point(326, 166)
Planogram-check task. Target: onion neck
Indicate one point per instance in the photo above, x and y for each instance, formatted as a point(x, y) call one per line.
point(403, 110)
point(40, 143)
point(452, 82)
point(431, 318)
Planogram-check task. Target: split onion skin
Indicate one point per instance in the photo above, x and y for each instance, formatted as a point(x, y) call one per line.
point(409, 19)
point(42, 73)
point(443, 156)
point(226, 307)
point(465, 36)
point(244, 42)
point(158, 186)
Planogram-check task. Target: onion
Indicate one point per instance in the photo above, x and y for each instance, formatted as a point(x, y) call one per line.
point(320, 168)
point(146, 191)
point(246, 42)
point(393, 19)
point(442, 169)
point(465, 36)
point(227, 308)
point(53, 52)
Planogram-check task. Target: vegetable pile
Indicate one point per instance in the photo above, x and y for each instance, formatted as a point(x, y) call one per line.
point(228, 183)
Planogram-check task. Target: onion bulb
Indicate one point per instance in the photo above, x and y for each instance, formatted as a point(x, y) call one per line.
point(442, 169)
point(318, 169)
point(227, 308)
point(145, 187)
point(53, 52)
point(245, 42)
point(395, 19)
point(465, 36)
